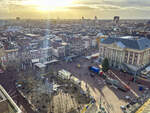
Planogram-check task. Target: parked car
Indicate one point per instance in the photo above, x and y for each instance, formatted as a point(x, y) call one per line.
point(123, 108)
point(92, 74)
point(122, 88)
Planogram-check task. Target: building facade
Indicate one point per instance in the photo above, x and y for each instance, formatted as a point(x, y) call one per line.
point(126, 50)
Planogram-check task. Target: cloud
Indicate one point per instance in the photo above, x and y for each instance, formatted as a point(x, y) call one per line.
point(92, 2)
point(81, 8)
point(109, 7)
point(128, 3)
point(116, 4)
point(106, 8)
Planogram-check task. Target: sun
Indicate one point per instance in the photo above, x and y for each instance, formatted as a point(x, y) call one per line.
point(50, 5)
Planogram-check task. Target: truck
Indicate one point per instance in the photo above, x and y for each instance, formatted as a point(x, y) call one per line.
point(95, 70)
point(63, 74)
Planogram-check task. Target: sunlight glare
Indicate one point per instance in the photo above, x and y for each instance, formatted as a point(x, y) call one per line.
point(50, 5)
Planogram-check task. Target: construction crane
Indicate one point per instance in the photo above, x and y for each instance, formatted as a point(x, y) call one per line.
point(131, 90)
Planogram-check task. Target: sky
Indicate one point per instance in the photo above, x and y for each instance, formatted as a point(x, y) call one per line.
point(75, 9)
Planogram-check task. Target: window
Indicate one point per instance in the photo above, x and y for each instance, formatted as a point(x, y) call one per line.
point(126, 54)
point(135, 61)
point(130, 61)
point(125, 60)
point(131, 54)
point(136, 54)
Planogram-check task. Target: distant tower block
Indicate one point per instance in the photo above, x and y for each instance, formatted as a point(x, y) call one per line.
point(82, 18)
point(116, 19)
point(95, 18)
point(17, 18)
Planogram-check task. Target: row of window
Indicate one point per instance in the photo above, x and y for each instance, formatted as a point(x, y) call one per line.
point(133, 56)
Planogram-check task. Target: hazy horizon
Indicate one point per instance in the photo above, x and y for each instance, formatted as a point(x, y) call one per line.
point(74, 9)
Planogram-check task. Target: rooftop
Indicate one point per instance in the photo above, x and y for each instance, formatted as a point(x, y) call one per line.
point(40, 65)
point(130, 42)
point(127, 37)
point(32, 35)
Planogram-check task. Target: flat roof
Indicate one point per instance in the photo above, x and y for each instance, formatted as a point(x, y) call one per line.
point(32, 35)
point(52, 61)
point(94, 55)
point(33, 50)
point(40, 65)
point(127, 37)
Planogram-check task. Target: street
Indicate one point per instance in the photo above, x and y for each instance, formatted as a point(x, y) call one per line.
point(108, 96)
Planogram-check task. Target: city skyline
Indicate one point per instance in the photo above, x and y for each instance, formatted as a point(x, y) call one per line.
point(74, 56)
point(74, 9)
